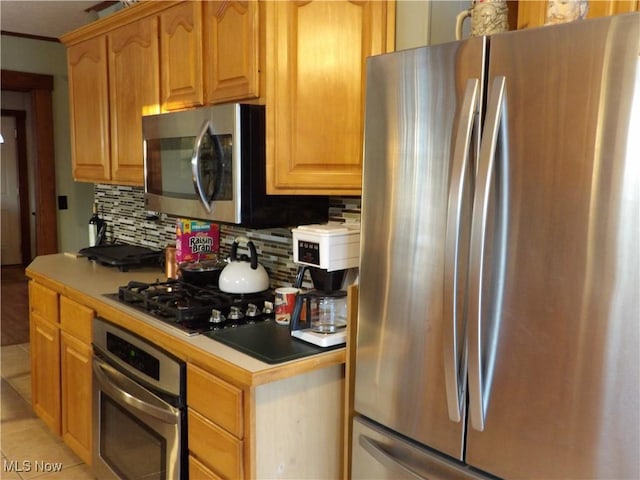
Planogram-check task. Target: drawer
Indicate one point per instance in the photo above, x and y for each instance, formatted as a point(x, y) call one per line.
point(43, 302)
point(76, 319)
point(214, 447)
point(197, 471)
point(216, 399)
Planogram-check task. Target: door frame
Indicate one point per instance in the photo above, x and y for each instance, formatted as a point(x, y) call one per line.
point(40, 87)
point(23, 181)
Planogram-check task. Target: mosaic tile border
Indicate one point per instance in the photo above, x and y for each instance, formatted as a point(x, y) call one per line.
point(122, 207)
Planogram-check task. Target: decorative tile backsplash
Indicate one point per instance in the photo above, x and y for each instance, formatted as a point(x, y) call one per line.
point(127, 220)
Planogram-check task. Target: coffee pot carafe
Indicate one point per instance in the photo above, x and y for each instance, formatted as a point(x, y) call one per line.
point(320, 312)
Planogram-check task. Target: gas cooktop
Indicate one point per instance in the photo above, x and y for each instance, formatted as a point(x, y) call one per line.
point(192, 309)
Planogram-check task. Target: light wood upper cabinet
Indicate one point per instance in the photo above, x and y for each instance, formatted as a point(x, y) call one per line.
point(231, 50)
point(304, 60)
point(134, 90)
point(113, 80)
point(181, 56)
point(89, 109)
point(315, 80)
point(532, 13)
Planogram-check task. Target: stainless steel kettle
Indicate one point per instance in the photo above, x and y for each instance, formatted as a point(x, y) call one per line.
point(243, 274)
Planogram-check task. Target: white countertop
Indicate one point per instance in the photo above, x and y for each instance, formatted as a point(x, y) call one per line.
point(86, 281)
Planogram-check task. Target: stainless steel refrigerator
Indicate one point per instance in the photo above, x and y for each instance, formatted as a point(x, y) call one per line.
point(499, 318)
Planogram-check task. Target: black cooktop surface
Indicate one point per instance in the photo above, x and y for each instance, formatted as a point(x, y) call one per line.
point(267, 341)
point(193, 309)
point(123, 256)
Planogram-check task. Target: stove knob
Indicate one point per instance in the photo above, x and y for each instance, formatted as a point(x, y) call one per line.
point(216, 316)
point(252, 310)
point(235, 313)
point(268, 307)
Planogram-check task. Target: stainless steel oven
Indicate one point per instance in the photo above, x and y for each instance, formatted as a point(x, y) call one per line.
point(139, 408)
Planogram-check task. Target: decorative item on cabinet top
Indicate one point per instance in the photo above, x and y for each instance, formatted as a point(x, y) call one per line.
point(563, 11)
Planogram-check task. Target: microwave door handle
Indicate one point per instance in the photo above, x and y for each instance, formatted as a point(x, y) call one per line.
point(195, 167)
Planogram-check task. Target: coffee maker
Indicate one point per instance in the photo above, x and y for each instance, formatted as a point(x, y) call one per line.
point(331, 253)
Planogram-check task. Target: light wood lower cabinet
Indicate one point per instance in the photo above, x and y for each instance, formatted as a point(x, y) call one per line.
point(76, 395)
point(61, 375)
point(290, 428)
point(216, 448)
point(45, 371)
point(45, 354)
point(215, 423)
point(198, 471)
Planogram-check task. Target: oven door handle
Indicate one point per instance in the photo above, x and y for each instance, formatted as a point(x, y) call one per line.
point(109, 377)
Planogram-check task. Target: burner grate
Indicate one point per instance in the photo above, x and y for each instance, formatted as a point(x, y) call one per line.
point(189, 307)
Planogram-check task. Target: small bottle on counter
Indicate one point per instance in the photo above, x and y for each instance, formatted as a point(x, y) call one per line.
point(96, 227)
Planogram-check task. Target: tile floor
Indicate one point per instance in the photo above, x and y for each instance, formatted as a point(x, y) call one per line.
point(29, 449)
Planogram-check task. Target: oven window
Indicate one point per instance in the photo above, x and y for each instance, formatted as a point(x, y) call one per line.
point(128, 446)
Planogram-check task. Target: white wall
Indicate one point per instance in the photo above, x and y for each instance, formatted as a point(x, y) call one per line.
point(427, 22)
point(49, 58)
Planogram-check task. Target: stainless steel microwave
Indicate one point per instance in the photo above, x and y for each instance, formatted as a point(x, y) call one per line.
point(209, 163)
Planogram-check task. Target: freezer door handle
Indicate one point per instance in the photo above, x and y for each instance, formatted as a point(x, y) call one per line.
point(392, 463)
point(485, 303)
point(455, 361)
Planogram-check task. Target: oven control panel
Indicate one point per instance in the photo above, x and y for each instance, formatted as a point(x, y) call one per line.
point(134, 356)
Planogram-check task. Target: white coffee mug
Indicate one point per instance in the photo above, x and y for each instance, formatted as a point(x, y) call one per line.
point(285, 302)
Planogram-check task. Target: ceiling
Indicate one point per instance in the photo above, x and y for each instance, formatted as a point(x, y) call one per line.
point(50, 19)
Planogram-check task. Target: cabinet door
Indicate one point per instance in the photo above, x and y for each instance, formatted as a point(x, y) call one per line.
point(76, 395)
point(228, 407)
point(316, 55)
point(197, 471)
point(181, 56)
point(45, 370)
point(532, 13)
point(43, 302)
point(76, 319)
point(89, 110)
point(218, 450)
point(134, 90)
point(232, 50)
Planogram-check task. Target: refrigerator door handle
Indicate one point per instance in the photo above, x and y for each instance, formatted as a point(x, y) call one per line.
point(481, 360)
point(456, 367)
point(392, 463)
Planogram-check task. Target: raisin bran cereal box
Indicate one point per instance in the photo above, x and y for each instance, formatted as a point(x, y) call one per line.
point(196, 240)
